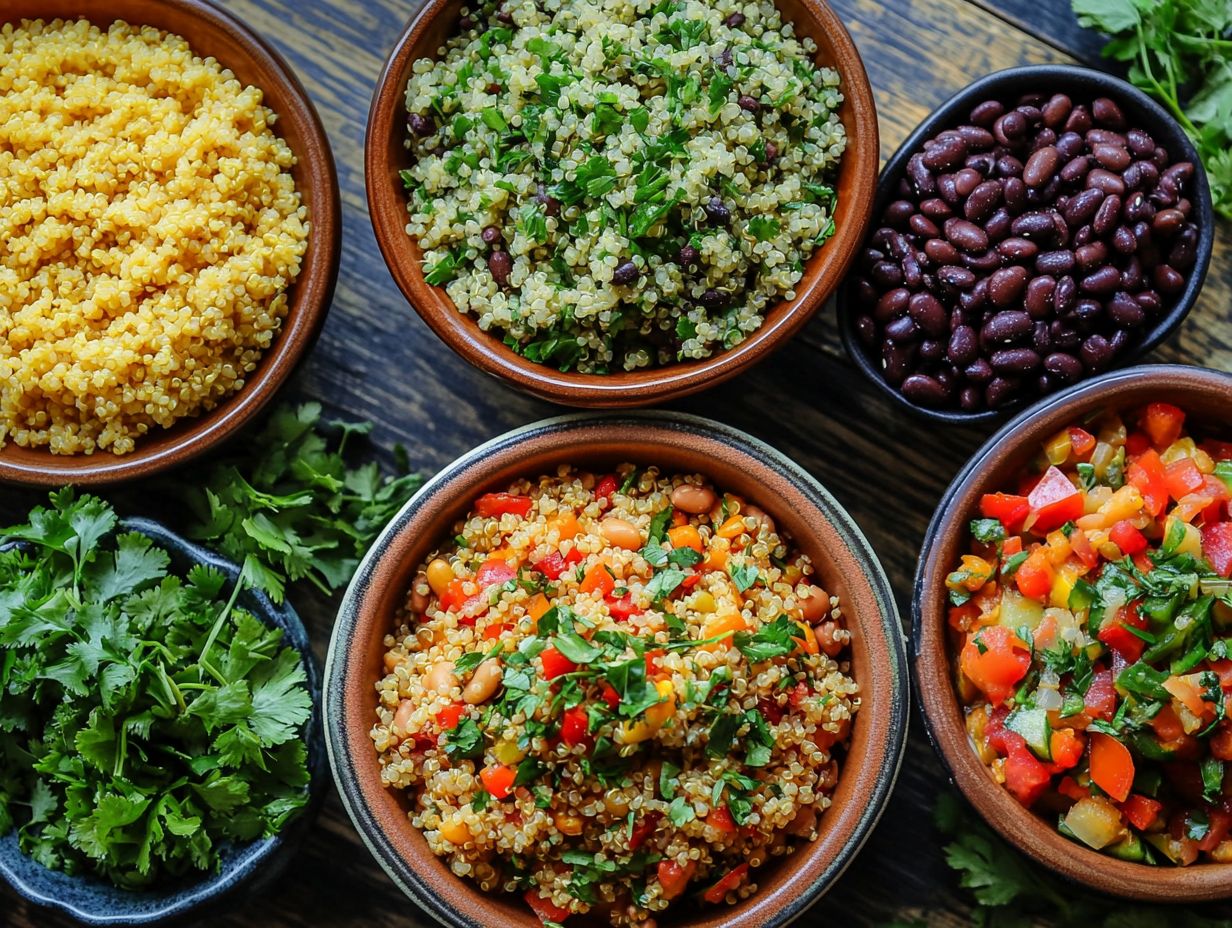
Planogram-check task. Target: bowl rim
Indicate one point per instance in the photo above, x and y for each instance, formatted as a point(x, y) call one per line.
point(311, 292)
point(622, 389)
point(947, 115)
point(343, 643)
point(931, 658)
point(255, 859)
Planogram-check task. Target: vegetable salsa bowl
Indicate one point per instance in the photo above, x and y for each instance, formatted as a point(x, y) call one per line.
point(611, 205)
point(1073, 613)
point(626, 670)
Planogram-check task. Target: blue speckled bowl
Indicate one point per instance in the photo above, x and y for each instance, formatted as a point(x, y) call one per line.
point(96, 902)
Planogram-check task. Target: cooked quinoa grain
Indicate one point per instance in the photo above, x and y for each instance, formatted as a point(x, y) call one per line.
point(151, 230)
point(655, 174)
point(606, 692)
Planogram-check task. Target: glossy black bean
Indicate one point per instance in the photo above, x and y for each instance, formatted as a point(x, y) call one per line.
point(1056, 111)
point(913, 271)
point(987, 113)
point(1107, 113)
point(1038, 299)
point(1124, 310)
point(957, 277)
point(966, 236)
point(898, 213)
point(1079, 120)
point(936, 208)
point(1168, 280)
point(1001, 390)
point(928, 314)
point(1140, 175)
point(1102, 282)
point(941, 252)
point(1101, 179)
point(902, 330)
point(1015, 195)
point(946, 155)
point(898, 361)
point(1074, 171)
point(1017, 249)
point(1041, 166)
point(1096, 353)
point(1006, 286)
point(1123, 240)
point(922, 180)
point(1106, 217)
point(626, 273)
point(1090, 257)
point(1082, 207)
point(963, 347)
point(924, 390)
point(978, 371)
point(1184, 249)
point(998, 225)
point(1010, 128)
point(688, 256)
point(1065, 296)
point(500, 265)
point(1007, 326)
point(1065, 367)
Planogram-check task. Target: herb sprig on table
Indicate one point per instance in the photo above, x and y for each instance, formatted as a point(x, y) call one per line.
point(145, 717)
point(290, 508)
point(1180, 52)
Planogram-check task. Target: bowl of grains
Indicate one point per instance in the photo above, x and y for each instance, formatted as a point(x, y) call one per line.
point(172, 227)
point(626, 670)
point(1044, 225)
point(613, 204)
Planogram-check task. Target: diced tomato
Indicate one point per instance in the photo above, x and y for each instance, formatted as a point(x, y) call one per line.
point(493, 572)
point(598, 580)
point(720, 818)
point(1111, 766)
point(963, 617)
point(554, 663)
point(771, 711)
point(1081, 443)
point(573, 726)
point(643, 829)
point(1146, 472)
point(996, 662)
point(1115, 632)
point(729, 881)
point(497, 504)
point(1141, 811)
point(1127, 537)
point(1162, 423)
point(798, 694)
point(546, 909)
point(652, 661)
point(1010, 509)
point(608, 694)
point(1183, 478)
point(1100, 701)
point(1220, 823)
point(1035, 575)
point(449, 717)
point(498, 780)
point(494, 631)
point(454, 596)
point(1011, 546)
point(551, 566)
point(673, 878)
point(1081, 545)
point(1217, 547)
point(1066, 746)
point(1167, 725)
point(1136, 443)
point(1054, 501)
point(1069, 788)
point(995, 731)
point(623, 609)
point(1025, 776)
point(606, 487)
point(690, 581)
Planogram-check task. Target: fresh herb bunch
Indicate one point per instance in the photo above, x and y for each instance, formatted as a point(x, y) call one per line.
point(290, 508)
point(1180, 52)
point(145, 718)
point(1011, 892)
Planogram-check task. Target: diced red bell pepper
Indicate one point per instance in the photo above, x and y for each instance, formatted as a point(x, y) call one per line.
point(554, 663)
point(608, 694)
point(1217, 547)
point(1026, 777)
point(598, 580)
point(546, 909)
point(1066, 748)
point(995, 730)
point(1081, 443)
point(690, 581)
point(454, 596)
point(1126, 536)
point(652, 661)
point(673, 878)
point(1069, 788)
point(1011, 510)
point(492, 572)
point(643, 829)
point(623, 609)
point(556, 563)
point(1054, 501)
point(449, 717)
point(1146, 472)
point(1220, 823)
point(1081, 545)
point(1116, 635)
point(729, 881)
point(574, 723)
point(1183, 478)
point(996, 662)
point(1111, 766)
point(498, 780)
point(1035, 575)
point(606, 487)
point(497, 504)
point(1141, 811)
point(1100, 701)
point(1162, 423)
point(721, 818)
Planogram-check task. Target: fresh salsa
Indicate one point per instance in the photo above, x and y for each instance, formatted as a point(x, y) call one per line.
point(1092, 629)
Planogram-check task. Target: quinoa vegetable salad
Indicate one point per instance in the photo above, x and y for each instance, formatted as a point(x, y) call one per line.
point(608, 692)
point(616, 185)
point(151, 229)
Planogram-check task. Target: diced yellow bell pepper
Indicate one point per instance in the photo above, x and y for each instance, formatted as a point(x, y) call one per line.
point(1062, 586)
point(653, 718)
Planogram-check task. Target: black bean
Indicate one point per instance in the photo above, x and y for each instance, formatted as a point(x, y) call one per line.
point(987, 113)
point(1106, 137)
point(1113, 157)
point(922, 180)
point(1149, 300)
point(1106, 216)
point(985, 261)
point(490, 235)
point(901, 330)
point(1168, 280)
point(626, 273)
point(898, 212)
point(948, 188)
point(898, 361)
point(717, 211)
point(946, 155)
point(1107, 113)
point(886, 274)
point(1132, 277)
point(1040, 337)
point(963, 347)
point(1035, 226)
point(998, 225)
point(1124, 310)
point(1001, 390)
point(1091, 256)
point(892, 304)
point(1082, 207)
point(1006, 326)
point(1010, 128)
point(688, 256)
point(1015, 193)
point(913, 273)
point(1065, 367)
point(866, 328)
point(1179, 174)
point(1167, 221)
point(970, 398)
point(866, 292)
point(420, 125)
point(1140, 175)
point(924, 390)
point(978, 371)
point(977, 138)
point(1056, 111)
point(1083, 236)
point(924, 227)
point(1123, 240)
point(1009, 166)
point(983, 163)
point(734, 21)
point(941, 252)
point(935, 208)
point(1100, 179)
point(966, 181)
point(1038, 300)
point(748, 104)
point(1041, 166)
point(985, 198)
point(1055, 263)
point(1185, 249)
point(1031, 111)
point(1159, 157)
point(1140, 142)
point(1096, 352)
point(1006, 285)
point(1079, 120)
point(966, 235)
point(500, 265)
point(931, 349)
point(1018, 249)
point(1065, 296)
point(1075, 170)
point(928, 314)
point(1102, 282)
point(1070, 145)
point(957, 277)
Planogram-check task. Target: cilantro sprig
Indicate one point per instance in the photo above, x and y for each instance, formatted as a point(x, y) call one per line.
point(146, 718)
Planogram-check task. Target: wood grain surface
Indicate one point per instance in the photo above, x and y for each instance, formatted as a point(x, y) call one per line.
point(376, 360)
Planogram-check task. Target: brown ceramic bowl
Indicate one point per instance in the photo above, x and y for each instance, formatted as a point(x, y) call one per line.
point(1206, 395)
point(213, 32)
point(385, 155)
point(845, 564)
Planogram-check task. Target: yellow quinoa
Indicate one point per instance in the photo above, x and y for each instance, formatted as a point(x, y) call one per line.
point(151, 228)
point(609, 692)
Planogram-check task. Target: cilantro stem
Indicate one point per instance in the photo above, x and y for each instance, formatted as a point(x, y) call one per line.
point(222, 616)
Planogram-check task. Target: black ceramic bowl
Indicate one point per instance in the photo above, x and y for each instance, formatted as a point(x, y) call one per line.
point(1140, 110)
point(94, 901)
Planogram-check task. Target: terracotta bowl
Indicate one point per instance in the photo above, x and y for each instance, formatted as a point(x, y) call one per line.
point(213, 32)
point(845, 564)
point(385, 155)
point(1206, 396)
point(1083, 83)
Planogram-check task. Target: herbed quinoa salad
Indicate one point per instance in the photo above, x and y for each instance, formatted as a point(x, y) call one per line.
point(614, 185)
point(608, 692)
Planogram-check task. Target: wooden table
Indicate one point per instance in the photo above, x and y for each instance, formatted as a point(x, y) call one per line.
point(376, 360)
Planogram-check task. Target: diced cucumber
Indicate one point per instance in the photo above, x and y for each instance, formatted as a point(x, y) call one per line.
point(1033, 725)
point(1018, 611)
point(1145, 744)
point(1130, 848)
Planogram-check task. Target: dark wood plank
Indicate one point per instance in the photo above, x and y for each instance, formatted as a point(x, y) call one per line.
point(377, 360)
point(1052, 21)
